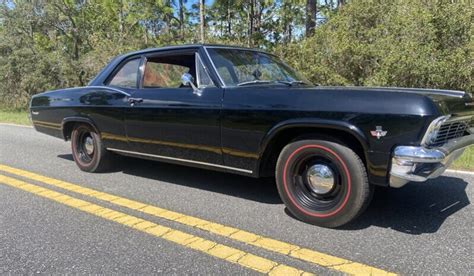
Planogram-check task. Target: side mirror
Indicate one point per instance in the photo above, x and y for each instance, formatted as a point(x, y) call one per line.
point(188, 80)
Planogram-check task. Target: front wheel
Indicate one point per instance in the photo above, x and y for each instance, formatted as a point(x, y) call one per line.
point(322, 182)
point(88, 151)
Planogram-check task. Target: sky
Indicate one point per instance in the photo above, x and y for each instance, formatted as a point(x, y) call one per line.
point(189, 3)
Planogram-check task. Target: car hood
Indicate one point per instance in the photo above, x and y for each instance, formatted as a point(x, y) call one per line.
point(453, 102)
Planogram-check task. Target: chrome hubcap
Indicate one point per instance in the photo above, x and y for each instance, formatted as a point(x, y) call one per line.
point(320, 179)
point(89, 145)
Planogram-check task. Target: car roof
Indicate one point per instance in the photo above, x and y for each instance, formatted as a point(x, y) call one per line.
point(188, 46)
point(107, 70)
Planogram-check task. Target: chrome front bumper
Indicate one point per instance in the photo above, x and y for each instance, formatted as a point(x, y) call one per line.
point(418, 164)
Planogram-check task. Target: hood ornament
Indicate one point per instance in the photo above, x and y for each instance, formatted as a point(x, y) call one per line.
point(378, 132)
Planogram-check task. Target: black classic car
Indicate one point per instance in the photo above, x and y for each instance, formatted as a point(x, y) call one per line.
point(245, 111)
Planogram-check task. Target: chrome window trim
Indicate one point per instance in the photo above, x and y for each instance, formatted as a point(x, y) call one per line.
point(141, 72)
point(235, 48)
point(198, 59)
point(182, 160)
point(223, 85)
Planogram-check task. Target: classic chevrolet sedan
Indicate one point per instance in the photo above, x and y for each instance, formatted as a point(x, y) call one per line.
point(245, 111)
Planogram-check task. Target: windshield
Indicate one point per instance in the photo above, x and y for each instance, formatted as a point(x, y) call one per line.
point(238, 67)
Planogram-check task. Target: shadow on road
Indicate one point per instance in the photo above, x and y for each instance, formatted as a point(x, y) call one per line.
point(260, 190)
point(66, 157)
point(414, 209)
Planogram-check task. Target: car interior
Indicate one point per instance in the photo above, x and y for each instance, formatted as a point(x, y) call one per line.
point(166, 71)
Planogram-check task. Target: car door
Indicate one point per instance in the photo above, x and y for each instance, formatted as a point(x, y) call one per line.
point(169, 120)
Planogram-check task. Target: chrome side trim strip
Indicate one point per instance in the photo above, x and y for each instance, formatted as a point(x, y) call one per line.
point(182, 160)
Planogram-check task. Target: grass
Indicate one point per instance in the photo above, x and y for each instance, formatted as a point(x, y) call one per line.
point(465, 162)
point(14, 117)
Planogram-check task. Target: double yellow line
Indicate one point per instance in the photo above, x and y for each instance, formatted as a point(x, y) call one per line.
point(217, 250)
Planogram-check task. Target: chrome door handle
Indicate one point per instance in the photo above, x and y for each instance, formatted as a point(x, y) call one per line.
point(134, 101)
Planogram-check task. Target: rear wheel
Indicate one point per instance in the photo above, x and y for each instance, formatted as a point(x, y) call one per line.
point(88, 151)
point(322, 182)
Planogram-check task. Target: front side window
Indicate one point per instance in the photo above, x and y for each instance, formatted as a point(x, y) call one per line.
point(163, 75)
point(203, 79)
point(239, 67)
point(127, 75)
point(166, 71)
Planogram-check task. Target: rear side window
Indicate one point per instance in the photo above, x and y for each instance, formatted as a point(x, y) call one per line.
point(127, 75)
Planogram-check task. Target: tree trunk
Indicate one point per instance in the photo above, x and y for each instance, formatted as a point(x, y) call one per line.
point(168, 18)
point(229, 18)
point(145, 34)
point(340, 3)
point(290, 34)
point(250, 17)
point(258, 17)
point(121, 21)
point(311, 11)
point(181, 18)
point(201, 17)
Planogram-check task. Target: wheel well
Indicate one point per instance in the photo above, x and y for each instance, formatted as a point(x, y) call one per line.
point(284, 137)
point(67, 129)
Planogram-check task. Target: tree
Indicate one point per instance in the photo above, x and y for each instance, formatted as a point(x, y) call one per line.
point(202, 22)
point(311, 10)
point(223, 12)
point(63, 43)
point(406, 44)
point(340, 3)
point(182, 9)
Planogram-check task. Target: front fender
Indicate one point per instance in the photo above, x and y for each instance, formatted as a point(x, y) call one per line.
point(315, 123)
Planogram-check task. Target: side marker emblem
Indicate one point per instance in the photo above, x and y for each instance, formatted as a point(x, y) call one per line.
point(378, 132)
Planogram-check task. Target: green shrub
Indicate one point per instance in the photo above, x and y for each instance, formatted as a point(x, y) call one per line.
point(391, 43)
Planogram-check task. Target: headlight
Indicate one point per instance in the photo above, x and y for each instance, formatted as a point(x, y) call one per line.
point(432, 131)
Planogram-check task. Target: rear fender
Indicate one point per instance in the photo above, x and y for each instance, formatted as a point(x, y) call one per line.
point(66, 128)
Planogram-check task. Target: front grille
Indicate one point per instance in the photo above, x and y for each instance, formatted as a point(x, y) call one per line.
point(450, 130)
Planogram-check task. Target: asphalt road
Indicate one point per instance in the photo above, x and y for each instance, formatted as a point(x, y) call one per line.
point(419, 229)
